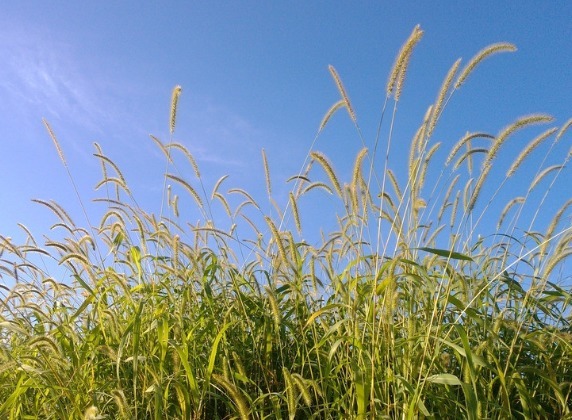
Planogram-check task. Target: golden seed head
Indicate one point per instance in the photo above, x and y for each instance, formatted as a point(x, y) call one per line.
point(174, 101)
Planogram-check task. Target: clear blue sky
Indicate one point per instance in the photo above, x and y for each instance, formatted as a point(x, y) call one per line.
point(254, 75)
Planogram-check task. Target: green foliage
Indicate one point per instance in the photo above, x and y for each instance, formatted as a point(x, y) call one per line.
point(396, 314)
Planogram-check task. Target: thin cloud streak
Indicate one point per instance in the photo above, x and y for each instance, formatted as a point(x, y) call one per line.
point(219, 136)
point(40, 74)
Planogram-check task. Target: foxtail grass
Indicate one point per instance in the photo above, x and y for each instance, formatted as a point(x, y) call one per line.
point(412, 303)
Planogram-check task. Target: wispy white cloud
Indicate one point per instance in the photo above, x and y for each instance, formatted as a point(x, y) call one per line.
point(40, 76)
point(43, 76)
point(221, 136)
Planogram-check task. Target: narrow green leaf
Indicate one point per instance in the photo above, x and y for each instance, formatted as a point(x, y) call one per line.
point(183, 353)
point(444, 378)
point(320, 312)
point(214, 350)
point(83, 284)
point(135, 254)
point(447, 254)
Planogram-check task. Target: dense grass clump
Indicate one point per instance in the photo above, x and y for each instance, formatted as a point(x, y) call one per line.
point(407, 309)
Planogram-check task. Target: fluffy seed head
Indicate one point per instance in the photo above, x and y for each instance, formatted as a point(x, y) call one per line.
point(343, 93)
point(174, 101)
point(397, 75)
point(480, 56)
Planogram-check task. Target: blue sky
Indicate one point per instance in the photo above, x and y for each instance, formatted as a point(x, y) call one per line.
point(254, 75)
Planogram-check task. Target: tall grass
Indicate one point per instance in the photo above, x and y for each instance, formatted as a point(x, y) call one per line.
point(412, 307)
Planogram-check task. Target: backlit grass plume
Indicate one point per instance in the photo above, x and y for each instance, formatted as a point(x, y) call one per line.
point(174, 103)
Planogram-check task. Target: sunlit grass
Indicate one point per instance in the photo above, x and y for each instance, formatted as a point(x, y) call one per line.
point(407, 309)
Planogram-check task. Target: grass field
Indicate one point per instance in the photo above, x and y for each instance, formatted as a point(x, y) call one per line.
point(406, 310)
